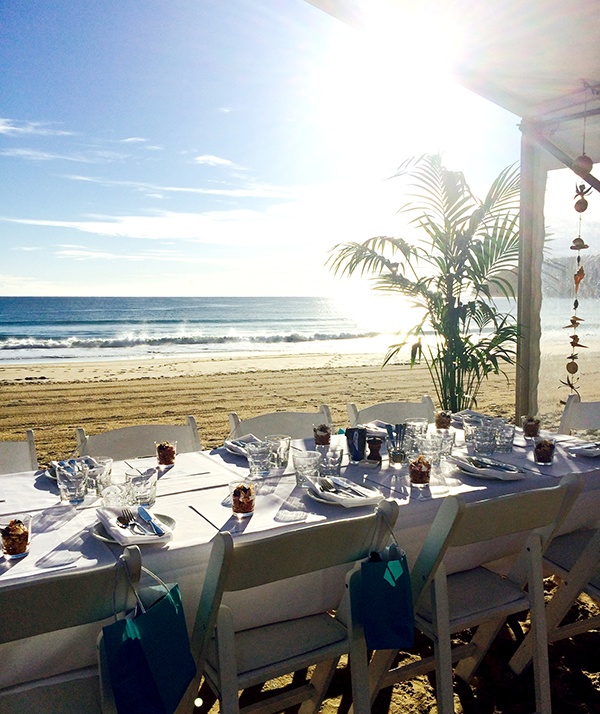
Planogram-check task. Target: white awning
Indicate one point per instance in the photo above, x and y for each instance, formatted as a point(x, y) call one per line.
point(539, 59)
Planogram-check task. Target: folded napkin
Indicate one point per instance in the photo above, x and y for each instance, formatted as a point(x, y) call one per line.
point(126, 536)
point(238, 446)
point(376, 428)
point(348, 499)
point(488, 471)
point(590, 450)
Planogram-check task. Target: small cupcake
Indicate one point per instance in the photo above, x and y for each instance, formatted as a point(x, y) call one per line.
point(443, 420)
point(419, 470)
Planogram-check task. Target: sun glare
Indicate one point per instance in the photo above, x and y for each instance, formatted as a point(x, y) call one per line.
point(385, 94)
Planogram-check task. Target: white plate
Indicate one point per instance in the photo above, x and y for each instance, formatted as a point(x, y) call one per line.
point(99, 532)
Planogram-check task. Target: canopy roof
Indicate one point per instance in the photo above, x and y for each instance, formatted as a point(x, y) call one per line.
point(539, 59)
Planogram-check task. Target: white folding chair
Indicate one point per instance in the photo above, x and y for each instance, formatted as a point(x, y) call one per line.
point(575, 559)
point(392, 412)
point(298, 425)
point(50, 604)
point(579, 415)
point(233, 660)
point(446, 604)
point(17, 456)
point(132, 441)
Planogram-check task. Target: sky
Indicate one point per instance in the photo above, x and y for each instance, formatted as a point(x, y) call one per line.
point(202, 147)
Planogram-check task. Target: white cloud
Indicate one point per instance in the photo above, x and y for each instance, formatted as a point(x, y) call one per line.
point(34, 155)
point(25, 248)
point(213, 161)
point(94, 157)
point(314, 217)
point(11, 127)
point(163, 256)
point(250, 191)
point(133, 140)
point(26, 285)
point(225, 110)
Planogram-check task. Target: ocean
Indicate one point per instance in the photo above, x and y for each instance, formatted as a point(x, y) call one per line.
point(36, 329)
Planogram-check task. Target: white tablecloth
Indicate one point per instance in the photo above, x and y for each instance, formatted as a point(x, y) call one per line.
point(63, 537)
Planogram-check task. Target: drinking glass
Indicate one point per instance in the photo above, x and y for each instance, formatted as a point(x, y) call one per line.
point(322, 434)
point(543, 451)
point(505, 436)
point(306, 464)
point(98, 476)
point(259, 458)
point(415, 429)
point(471, 423)
point(142, 487)
point(331, 461)
point(396, 453)
point(531, 427)
point(280, 452)
point(484, 440)
point(448, 438)
point(430, 447)
point(115, 493)
point(165, 452)
point(419, 472)
point(71, 484)
point(15, 534)
point(243, 496)
point(356, 437)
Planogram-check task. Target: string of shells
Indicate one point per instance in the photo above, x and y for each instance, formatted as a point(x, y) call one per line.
point(582, 165)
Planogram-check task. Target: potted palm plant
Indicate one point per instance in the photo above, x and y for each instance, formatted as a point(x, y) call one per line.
point(468, 252)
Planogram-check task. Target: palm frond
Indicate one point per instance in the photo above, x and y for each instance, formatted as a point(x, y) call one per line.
point(468, 247)
point(368, 257)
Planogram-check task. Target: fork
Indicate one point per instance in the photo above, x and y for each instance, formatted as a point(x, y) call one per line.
point(127, 519)
point(328, 485)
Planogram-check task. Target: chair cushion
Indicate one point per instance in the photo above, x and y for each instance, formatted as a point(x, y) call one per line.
point(563, 552)
point(77, 691)
point(475, 596)
point(261, 647)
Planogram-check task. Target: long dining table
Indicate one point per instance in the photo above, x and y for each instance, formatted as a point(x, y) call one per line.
point(194, 492)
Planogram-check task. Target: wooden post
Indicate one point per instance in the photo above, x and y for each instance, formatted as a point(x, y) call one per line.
point(532, 232)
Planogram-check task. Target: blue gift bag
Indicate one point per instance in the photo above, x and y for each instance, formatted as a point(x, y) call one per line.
point(150, 664)
point(387, 612)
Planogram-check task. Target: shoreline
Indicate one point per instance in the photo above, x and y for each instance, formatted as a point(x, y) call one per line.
point(58, 372)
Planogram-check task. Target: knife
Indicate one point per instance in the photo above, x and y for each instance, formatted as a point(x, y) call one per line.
point(343, 486)
point(145, 516)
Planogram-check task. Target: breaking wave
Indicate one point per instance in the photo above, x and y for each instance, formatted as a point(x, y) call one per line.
point(94, 343)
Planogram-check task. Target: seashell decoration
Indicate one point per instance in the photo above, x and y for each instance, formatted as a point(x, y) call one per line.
point(582, 166)
point(572, 366)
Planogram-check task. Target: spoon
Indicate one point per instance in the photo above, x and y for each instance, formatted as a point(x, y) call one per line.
point(127, 520)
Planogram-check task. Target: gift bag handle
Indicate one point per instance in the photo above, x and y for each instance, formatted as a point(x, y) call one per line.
point(389, 527)
point(123, 561)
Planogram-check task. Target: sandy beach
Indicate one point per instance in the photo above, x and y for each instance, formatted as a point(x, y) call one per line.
point(55, 398)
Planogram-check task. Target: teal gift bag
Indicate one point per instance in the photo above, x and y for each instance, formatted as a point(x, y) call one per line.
point(387, 612)
point(149, 661)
